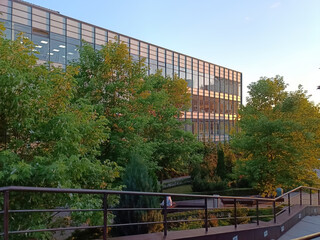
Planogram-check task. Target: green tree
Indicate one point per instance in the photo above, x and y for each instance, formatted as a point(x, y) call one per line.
point(48, 137)
point(143, 111)
point(279, 137)
point(162, 102)
point(110, 80)
point(221, 166)
point(230, 157)
point(137, 177)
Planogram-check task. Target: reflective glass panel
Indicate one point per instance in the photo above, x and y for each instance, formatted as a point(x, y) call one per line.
point(72, 52)
point(41, 46)
point(57, 52)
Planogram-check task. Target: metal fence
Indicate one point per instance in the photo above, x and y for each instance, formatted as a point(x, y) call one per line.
point(233, 202)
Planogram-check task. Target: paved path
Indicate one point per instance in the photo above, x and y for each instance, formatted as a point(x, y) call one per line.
point(308, 225)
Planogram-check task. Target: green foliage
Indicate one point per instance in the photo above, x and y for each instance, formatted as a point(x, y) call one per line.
point(221, 167)
point(110, 80)
point(230, 157)
point(279, 138)
point(137, 177)
point(213, 173)
point(73, 128)
point(202, 183)
point(49, 137)
point(214, 216)
point(187, 189)
point(242, 215)
point(191, 215)
point(142, 110)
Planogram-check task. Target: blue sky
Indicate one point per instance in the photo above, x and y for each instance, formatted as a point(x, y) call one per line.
point(257, 38)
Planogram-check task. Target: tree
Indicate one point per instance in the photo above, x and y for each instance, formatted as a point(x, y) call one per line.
point(48, 137)
point(162, 101)
point(221, 167)
point(143, 111)
point(138, 177)
point(279, 137)
point(230, 159)
point(210, 174)
point(110, 80)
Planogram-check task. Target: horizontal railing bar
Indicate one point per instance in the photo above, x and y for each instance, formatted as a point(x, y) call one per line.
point(133, 224)
point(186, 209)
point(110, 209)
point(261, 216)
point(145, 209)
point(145, 223)
point(135, 209)
point(291, 191)
point(245, 198)
point(187, 220)
point(91, 191)
point(53, 229)
point(282, 210)
point(307, 237)
point(54, 210)
point(222, 218)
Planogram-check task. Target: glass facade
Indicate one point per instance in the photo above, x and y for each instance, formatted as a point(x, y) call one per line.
point(215, 90)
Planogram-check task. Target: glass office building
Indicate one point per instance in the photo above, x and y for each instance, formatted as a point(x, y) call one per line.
point(215, 90)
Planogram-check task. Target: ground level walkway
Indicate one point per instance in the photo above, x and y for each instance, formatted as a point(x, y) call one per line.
point(308, 225)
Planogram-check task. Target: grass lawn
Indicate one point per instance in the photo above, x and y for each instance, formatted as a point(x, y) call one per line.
point(179, 189)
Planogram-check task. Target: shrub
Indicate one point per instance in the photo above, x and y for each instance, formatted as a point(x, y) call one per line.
point(202, 183)
point(137, 178)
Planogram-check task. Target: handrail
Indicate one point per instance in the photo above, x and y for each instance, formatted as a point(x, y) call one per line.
point(307, 237)
point(295, 189)
point(91, 191)
point(94, 191)
point(6, 210)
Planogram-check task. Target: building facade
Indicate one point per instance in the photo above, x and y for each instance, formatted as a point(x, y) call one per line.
point(216, 91)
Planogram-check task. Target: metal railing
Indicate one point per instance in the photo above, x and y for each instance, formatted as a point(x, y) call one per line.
point(308, 237)
point(235, 202)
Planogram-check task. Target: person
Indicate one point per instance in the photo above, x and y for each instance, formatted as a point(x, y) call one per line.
point(169, 202)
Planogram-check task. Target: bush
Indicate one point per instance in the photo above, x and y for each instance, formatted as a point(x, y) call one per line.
point(191, 215)
point(215, 170)
point(138, 178)
point(204, 183)
point(214, 216)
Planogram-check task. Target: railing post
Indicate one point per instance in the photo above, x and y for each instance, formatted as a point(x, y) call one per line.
point(310, 197)
point(235, 213)
point(300, 196)
point(289, 203)
point(165, 223)
point(206, 214)
point(274, 212)
point(257, 209)
point(105, 216)
point(6, 215)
